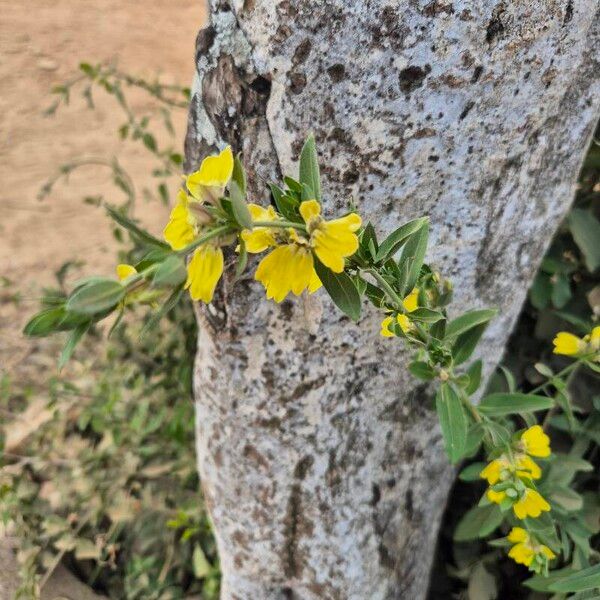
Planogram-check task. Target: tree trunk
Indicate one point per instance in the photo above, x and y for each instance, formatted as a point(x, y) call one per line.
point(320, 457)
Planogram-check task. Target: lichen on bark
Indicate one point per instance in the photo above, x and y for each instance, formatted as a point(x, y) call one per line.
point(320, 458)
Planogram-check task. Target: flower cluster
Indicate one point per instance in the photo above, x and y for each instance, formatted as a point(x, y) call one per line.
point(290, 264)
point(292, 247)
point(528, 550)
point(410, 304)
point(196, 212)
point(511, 475)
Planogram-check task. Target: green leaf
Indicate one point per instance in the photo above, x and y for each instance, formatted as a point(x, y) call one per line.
point(586, 233)
point(478, 522)
point(149, 142)
point(426, 315)
point(88, 69)
point(238, 204)
point(465, 344)
point(96, 297)
point(566, 498)
point(413, 255)
point(474, 373)
point(474, 439)
point(342, 290)
point(471, 473)
point(375, 295)
point(242, 259)
point(136, 231)
point(540, 291)
point(482, 584)
point(285, 204)
point(421, 370)
point(396, 239)
point(500, 404)
point(561, 291)
point(469, 320)
point(170, 273)
point(586, 579)
point(453, 421)
point(368, 241)
point(239, 175)
point(200, 563)
point(309, 167)
point(45, 322)
point(72, 341)
point(542, 583)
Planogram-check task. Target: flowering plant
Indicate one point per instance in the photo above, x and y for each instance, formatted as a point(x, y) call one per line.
point(304, 251)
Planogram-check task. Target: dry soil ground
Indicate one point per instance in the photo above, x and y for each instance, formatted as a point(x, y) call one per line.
point(42, 43)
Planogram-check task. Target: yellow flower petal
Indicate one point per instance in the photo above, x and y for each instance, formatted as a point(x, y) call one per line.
point(536, 442)
point(385, 324)
point(260, 238)
point(522, 554)
point(411, 302)
point(547, 552)
point(531, 504)
point(568, 344)
point(495, 497)
point(124, 271)
point(595, 339)
point(309, 209)
point(214, 172)
point(492, 471)
point(334, 240)
point(315, 282)
point(288, 268)
point(526, 467)
point(404, 323)
point(517, 534)
point(204, 271)
point(180, 229)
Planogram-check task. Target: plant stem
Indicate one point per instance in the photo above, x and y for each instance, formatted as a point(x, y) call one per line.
point(560, 374)
point(299, 226)
point(471, 408)
point(387, 288)
point(216, 232)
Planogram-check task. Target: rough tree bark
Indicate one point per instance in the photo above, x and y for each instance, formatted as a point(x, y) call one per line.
point(320, 458)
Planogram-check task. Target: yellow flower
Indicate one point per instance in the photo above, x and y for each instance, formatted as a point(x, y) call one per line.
point(288, 268)
point(517, 534)
point(568, 344)
point(260, 238)
point(411, 302)
point(124, 271)
point(526, 549)
point(495, 470)
point(530, 504)
point(535, 442)
point(204, 271)
point(402, 320)
point(182, 226)
point(331, 241)
point(210, 180)
point(495, 497)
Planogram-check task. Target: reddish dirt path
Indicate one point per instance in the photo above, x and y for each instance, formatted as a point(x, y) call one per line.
point(42, 43)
